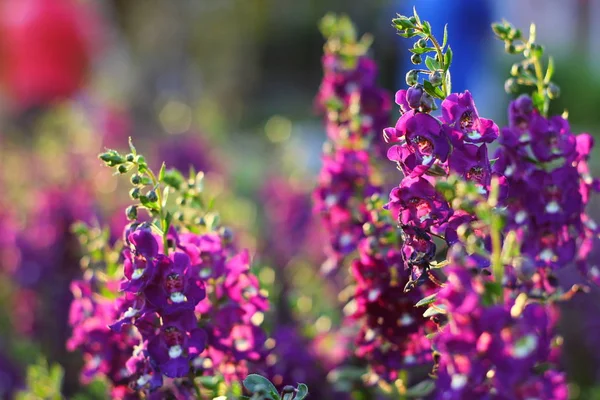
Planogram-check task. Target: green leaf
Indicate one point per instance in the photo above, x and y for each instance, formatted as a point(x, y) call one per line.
point(255, 383)
point(447, 58)
point(132, 147)
point(419, 50)
point(432, 63)
point(433, 91)
point(416, 15)
point(421, 389)
point(434, 310)
point(549, 71)
point(426, 300)
point(302, 392)
point(427, 28)
point(161, 173)
point(445, 40)
point(151, 205)
point(173, 178)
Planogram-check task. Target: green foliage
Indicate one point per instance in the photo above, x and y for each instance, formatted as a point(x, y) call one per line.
point(436, 82)
point(262, 389)
point(43, 382)
point(529, 71)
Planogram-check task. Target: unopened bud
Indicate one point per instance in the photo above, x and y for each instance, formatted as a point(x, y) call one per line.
point(511, 85)
point(416, 59)
point(152, 196)
point(422, 43)
point(412, 77)
point(435, 78)
point(136, 179)
point(130, 157)
point(134, 193)
point(553, 91)
point(131, 213)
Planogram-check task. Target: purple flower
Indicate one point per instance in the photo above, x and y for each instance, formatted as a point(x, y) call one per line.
point(520, 113)
point(174, 346)
point(459, 112)
point(416, 203)
point(551, 138)
point(423, 137)
point(473, 164)
point(417, 246)
point(176, 288)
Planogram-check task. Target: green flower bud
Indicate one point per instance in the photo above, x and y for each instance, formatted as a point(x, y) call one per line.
point(181, 201)
point(510, 48)
point(435, 78)
point(131, 213)
point(427, 102)
point(412, 77)
point(152, 196)
point(416, 59)
point(422, 43)
point(178, 215)
point(516, 69)
point(553, 91)
point(511, 86)
point(112, 158)
point(412, 19)
point(130, 157)
point(136, 179)
point(135, 193)
point(122, 169)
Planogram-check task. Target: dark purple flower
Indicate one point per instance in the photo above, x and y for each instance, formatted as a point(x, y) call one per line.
point(417, 246)
point(176, 288)
point(459, 112)
point(551, 138)
point(416, 203)
point(174, 346)
point(473, 164)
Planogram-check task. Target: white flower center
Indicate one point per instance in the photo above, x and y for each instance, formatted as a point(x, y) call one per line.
point(552, 207)
point(131, 312)
point(458, 381)
point(330, 200)
point(427, 159)
point(509, 170)
point(204, 273)
point(474, 135)
point(547, 255)
point(405, 320)
point(177, 297)
point(525, 346)
point(374, 294)
point(346, 239)
point(137, 273)
point(520, 217)
point(370, 335)
point(175, 351)
point(242, 344)
point(142, 380)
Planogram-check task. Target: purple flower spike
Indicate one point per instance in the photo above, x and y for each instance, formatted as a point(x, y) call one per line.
point(473, 164)
point(176, 289)
point(459, 112)
point(173, 348)
point(416, 203)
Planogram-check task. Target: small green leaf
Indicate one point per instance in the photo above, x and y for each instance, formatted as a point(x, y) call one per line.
point(421, 389)
point(445, 40)
point(302, 392)
point(550, 70)
point(132, 147)
point(419, 50)
point(434, 310)
point(427, 28)
point(426, 300)
point(161, 173)
point(416, 15)
point(432, 63)
point(433, 91)
point(532, 33)
point(173, 178)
point(448, 58)
point(255, 382)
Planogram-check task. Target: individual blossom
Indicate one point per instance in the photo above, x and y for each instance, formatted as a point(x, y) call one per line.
point(472, 164)
point(423, 137)
point(417, 203)
point(551, 138)
point(460, 114)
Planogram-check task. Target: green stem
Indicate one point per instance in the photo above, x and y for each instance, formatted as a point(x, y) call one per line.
point(495, 226)
point(539, 75)
point(440, 56)
point(163, 222)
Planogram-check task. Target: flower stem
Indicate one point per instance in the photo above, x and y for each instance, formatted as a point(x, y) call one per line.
point(161, 216)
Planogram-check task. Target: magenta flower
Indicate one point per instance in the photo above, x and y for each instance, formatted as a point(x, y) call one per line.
point(459, 112)
point(416, 203)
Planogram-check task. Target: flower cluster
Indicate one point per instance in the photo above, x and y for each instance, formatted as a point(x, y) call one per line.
point(356, 111)
point(393, 332)
point(498, 351)
point(426, 150)
point(549, 186)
